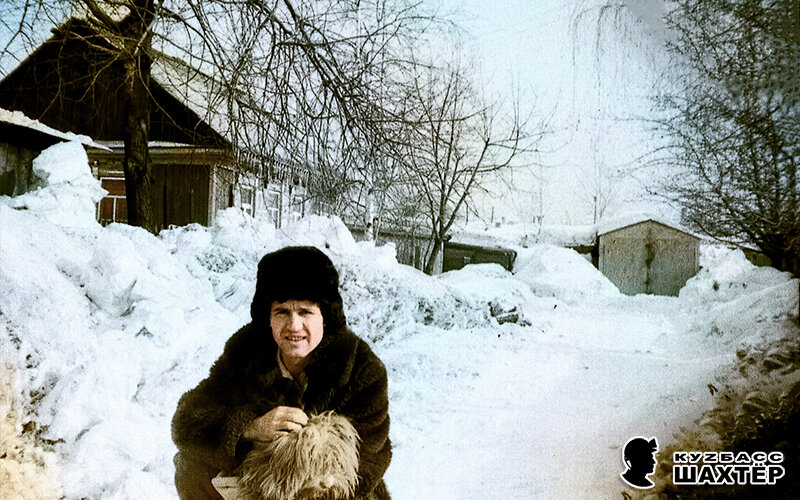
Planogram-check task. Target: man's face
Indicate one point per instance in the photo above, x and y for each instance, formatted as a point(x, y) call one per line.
point(297, 327)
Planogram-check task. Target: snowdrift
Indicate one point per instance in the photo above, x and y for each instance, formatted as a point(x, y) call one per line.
point(562, 273)
point(739, 296)
point(103, 328)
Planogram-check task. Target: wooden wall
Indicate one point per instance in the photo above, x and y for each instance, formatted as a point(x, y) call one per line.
point(182, 184)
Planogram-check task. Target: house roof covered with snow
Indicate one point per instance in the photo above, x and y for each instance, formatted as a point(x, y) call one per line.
point(523, 234)
point(616, 224)
point(19, 119)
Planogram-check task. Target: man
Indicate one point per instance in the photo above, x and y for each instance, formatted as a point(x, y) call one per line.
point(296, 358)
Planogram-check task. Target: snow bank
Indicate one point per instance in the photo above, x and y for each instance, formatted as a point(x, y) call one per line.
point(726, 274)
point(506, 296)
point(321, 232)
point(380, 296)
point(393, 302)
point(96, 324)
point(562, 273)
point(105, 327)
point(67, 191)
point(225, 255)
point(25, 470)
point(738, 296)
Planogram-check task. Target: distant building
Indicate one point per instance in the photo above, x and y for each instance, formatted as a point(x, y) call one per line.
point(458, 255)
point(648, 256)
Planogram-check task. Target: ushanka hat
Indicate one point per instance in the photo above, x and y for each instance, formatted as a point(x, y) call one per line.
point(298, 273)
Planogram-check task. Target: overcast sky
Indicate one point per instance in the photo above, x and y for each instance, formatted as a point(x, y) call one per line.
point(596, 100)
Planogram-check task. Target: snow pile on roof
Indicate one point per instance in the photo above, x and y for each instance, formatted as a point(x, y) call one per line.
point(562, 273)
point(566, 235)
point(68, 192)
point(20, 119)
point(609, 225)
point(525, 234)
point(194, 89)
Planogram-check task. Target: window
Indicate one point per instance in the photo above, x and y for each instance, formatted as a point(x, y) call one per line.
point(113, 207)
point(247, 195)
point(272, 202)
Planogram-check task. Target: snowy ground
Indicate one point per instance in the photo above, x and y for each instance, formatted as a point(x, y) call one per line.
point(102, 329)
point(545, 413)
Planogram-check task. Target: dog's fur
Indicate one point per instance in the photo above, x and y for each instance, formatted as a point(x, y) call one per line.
point(320, 461)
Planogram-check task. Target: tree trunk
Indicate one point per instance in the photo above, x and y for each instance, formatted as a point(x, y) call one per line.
point(370, 217)
point(135, 31)
point(137, 165)
point(433, 258)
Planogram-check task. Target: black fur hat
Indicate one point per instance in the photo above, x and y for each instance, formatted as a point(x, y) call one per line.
point(298, 273)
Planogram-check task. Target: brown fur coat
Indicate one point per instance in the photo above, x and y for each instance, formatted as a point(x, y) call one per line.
point(245, 382)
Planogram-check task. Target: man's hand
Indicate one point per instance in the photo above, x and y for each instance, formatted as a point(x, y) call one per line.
point(279, 420)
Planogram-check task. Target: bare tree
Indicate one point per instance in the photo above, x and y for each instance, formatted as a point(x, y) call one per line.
point(600, 185)
point(126, 38)
point(302, 81)
point(733, 120)
point(456, 142)
point(316, 84)
point(727, 107)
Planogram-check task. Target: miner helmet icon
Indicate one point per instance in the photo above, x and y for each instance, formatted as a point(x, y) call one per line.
point(640, 461)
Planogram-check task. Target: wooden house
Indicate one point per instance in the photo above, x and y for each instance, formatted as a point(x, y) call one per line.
point(648, 256)
point(70, 83)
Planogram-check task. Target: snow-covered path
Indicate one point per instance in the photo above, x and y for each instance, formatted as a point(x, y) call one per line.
point(549, 406)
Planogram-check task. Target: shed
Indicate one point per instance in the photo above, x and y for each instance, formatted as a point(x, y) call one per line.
point(458, 255)
point(70, 83)
point(648, 256)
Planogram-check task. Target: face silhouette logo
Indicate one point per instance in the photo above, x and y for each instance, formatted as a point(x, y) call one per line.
point(640, 461)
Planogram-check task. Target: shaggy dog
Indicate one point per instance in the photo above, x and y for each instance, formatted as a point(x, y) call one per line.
point(320, 461)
